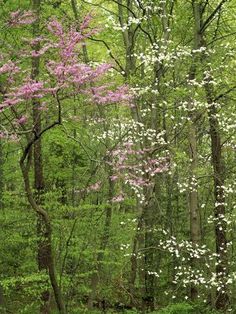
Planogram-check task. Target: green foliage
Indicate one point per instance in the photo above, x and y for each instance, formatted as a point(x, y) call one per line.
point(186, 308)
point(178, 308)
point(94, 238)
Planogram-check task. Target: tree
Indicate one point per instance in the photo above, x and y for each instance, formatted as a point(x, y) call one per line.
point(64, 72)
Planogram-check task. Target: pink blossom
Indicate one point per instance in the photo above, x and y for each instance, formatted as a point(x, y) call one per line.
point(118, 198)
point(21, 18)
point(67, 41)
point(114, 178)
point(95, 187)
point(10, 102)
point(55, 28)
point(76, 73)
point(10, 137)
point(29, 90)
point(120, 95)
point(35, 40)
point(9, 67)
point(42, 50)
point(86, 21)
point(22, 120)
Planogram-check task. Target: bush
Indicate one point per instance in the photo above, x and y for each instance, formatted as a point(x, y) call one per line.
point(178, 308)
point(186, 308)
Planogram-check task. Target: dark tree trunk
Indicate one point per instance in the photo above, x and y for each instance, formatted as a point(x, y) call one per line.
point(195, 221)
point(42, 257)
point(222, 295)
point(47, 247)
point(149, 278)
point(134, 264)
point(104, 242)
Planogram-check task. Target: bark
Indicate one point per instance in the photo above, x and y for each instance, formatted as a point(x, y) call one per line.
point(195, 228)
point(129, 37)
point(104, 242)
point(222, 295)
point(48, 252)
point(148, 298)
point(134, 264)
point(38, 164)
point(195, 221)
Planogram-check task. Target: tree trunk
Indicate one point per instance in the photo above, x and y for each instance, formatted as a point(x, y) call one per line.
point(195, 221)
point(222, 296)
point(134, 263)
point(129, 36)
point(104, 242)
point(47, 248)
point(38, 165)
point(149, 278)
point(195, 228)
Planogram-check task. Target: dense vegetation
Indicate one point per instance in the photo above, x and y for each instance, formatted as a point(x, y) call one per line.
point(117, 156)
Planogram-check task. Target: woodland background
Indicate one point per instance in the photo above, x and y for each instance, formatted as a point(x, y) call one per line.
point(122, 200)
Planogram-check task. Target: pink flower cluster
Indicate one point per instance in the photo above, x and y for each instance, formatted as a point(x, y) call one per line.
point(135, 167)
point(9, 67)
point(94, 187)
point(22, 120)
point(75, 73)
point(8, 102)
point(9, 137)
point(21, 18)
point(117, 199)
point(65, 75)
point(29, 90)
point(69, 40)
point(104, 96)
point(42, 51)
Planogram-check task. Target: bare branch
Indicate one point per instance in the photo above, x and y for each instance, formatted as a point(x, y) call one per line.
point(212, 16)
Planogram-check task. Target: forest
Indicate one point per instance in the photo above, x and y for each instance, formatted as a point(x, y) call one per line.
point(117, 156)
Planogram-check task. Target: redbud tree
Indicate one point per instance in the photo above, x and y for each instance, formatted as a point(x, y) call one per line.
point(62, 77)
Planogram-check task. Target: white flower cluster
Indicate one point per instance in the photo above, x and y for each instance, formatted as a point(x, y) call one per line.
point(115, 25)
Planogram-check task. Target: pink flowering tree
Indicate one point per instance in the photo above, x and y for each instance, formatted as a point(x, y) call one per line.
point(63, 76)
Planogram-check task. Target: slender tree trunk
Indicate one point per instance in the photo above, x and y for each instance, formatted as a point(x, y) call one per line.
point(149, 278)
point(195, 229)
point(42, 257)
point(195, 221)
point(74, 161)
point(129, 36)
point(134, 263)
point(48, 252)
point(222, 294)
point(104, 242)
point(195, 217)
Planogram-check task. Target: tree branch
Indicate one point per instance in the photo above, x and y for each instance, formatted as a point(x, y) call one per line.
point(212, 16)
